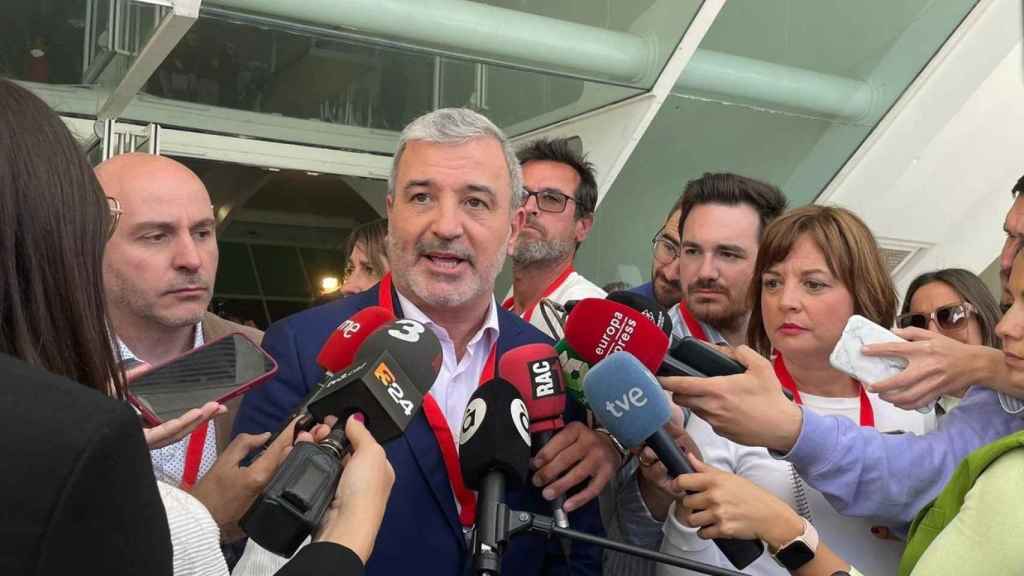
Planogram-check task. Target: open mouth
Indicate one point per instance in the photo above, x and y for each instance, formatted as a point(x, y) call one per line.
point(444, 261)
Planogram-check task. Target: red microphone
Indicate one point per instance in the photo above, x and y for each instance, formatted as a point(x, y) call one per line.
point(535, 371)
point(340, 349)
point(596, 328)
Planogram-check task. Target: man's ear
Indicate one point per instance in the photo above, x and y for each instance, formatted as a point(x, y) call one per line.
point(389, 204)
point(518, 220)
point(583, 226)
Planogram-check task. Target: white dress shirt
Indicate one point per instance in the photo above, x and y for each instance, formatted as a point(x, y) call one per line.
point(458, 378)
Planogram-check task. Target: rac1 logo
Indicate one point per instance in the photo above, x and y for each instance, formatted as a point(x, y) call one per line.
point(619, 406)
point(385, 376)
point(544, 379)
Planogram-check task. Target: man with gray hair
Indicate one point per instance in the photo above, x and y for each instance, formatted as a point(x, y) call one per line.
point(454, 208)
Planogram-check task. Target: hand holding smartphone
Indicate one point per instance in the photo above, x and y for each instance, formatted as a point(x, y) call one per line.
point(847, 356)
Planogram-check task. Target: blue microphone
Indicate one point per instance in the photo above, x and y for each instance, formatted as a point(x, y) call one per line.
point(628, 401)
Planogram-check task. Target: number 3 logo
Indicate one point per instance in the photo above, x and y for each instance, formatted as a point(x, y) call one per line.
point(410, 330)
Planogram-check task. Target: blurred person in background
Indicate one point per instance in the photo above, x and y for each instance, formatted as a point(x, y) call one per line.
point(955, 303)
point(366, 257)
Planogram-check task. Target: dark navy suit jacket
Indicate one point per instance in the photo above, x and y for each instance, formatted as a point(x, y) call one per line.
point(421, 533)
point(645, 290)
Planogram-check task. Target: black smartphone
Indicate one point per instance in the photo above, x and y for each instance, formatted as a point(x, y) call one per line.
point(702, 359)
point(215, 372)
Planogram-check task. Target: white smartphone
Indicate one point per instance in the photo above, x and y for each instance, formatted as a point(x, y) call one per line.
point(847, 356)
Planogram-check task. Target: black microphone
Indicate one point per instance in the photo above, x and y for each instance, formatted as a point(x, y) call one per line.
point(494, 449)
point(414, 346)
point(379, 388)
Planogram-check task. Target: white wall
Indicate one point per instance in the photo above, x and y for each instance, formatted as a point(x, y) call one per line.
point(939, 169)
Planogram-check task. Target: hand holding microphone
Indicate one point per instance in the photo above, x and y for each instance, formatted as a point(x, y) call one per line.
point(627, 399)
point(355, 514)
point(564, 456)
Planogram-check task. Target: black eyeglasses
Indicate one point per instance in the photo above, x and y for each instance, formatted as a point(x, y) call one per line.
point(548, 200)
point(665, 249)
point(948, 318)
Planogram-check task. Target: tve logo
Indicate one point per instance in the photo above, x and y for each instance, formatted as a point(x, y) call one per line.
point(618, 407)
point(543, 378)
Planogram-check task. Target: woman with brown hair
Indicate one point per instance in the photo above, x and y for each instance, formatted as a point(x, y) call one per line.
point(79, 485)
point(955, 303)
point(817, 266)
point(79, 488)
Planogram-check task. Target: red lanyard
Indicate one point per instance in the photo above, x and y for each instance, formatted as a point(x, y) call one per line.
point(464, 497)
point(867, 414)
point(509, 303)
point(696, 330)
point(194, 456)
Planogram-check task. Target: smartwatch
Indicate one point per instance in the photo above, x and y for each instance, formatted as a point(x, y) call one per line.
point(799, 551)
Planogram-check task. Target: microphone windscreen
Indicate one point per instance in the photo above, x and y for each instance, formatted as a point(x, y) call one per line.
point(573, 370)
point(413, 345)
point(598, 327)
point(627, 399)
point(535, 371)
point(649, 308)
point(495, 434)
point(340, 349)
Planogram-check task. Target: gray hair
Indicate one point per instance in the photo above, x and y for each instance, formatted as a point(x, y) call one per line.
point(455, 126)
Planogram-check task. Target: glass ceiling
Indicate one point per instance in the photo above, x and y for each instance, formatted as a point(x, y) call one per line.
point(784, 91)
point(878, 46)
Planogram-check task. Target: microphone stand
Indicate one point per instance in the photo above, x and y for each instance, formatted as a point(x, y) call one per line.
point(519, 521)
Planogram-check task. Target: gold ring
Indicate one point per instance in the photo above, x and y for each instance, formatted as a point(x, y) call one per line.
point(645, 462)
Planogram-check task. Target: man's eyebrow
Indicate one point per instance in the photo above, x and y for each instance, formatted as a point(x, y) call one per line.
point(421, 183)
point(205, 223)
point(731, 247)
point(161, 225)
point(481, 189)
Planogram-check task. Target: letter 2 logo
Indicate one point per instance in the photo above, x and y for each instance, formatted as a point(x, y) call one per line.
point(410, 330)
point(386, 377)
point(521, 418)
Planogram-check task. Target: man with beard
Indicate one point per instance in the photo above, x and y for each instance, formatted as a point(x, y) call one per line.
point(158, 273)
point(721, 218)
point(561, 195)
point(664, 287)
point(454, 209)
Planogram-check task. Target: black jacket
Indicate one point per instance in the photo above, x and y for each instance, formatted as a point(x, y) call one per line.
point(77, 491)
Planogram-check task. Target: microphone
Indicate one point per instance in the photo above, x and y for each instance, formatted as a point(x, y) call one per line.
point(295, 500)
point(535, 371)
point(340, 349)
point(337, 353)
point(602, 327)
point(628, 400)
point(597, 328)
point(394, 369)
point(645, 306)
point(494, 448)
point(415, 347)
